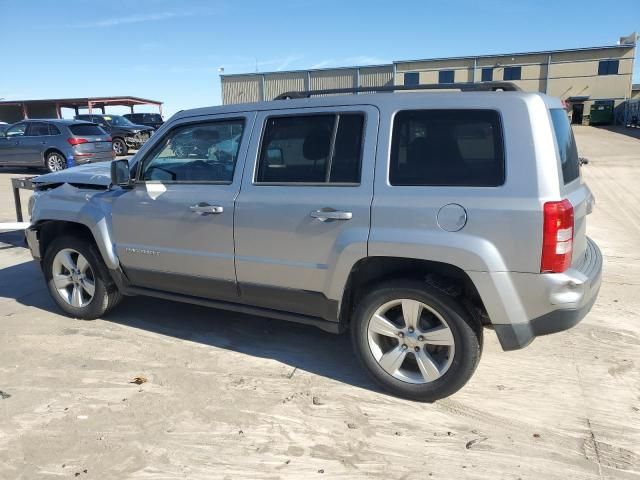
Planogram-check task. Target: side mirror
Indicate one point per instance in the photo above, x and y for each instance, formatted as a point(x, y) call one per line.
point(120, 173)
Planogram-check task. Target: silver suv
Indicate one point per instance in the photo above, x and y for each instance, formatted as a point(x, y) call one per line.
point(411, 219)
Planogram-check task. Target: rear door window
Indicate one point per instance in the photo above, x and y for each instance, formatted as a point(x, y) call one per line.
point(86, 129)
point(38, 129)
point(323, 148)
point(447, 148)
point(566, 145)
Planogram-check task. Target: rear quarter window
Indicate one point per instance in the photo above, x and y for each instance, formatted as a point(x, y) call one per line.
point(447, 148)
point(86, 130)
point(567, 148)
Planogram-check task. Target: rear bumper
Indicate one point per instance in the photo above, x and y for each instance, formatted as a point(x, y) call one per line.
point(560, 300)
point(93, 157)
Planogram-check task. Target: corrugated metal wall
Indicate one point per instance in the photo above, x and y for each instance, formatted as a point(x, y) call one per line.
point(336, 78)
point(376, 76)
point(241, 89)
point(277, 83)
point(248, 88)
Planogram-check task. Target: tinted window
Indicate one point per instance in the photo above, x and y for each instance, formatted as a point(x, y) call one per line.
point(445, 76)
point(17, 130)
point(566, 145)
point(512, 73)
point(202, 152)
point(38, 129)
point(305, 149)
point(86, 129)
point(608, 67)
point(447, 147)
point(487, 74)
point(411, 79)
point(53, 130)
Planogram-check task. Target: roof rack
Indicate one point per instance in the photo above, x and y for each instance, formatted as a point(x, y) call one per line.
point(463, 87)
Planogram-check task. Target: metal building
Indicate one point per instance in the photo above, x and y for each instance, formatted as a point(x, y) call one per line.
point(581, 76)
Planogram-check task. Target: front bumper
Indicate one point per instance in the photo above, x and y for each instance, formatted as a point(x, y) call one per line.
point(572, 293)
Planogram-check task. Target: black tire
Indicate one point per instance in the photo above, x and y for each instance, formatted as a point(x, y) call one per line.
point(467, 335)
point(119, 147)
point(106, 295)
point(55, 161)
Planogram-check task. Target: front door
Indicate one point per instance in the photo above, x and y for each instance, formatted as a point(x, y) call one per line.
point(11, 145)
point(577, 113)
point(303, 214)
point(174, 230)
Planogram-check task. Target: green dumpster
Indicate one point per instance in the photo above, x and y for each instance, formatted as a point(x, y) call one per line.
point(601, 113)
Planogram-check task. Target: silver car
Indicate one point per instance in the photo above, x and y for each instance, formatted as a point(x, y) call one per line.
point(53, 144)
point(411, 219)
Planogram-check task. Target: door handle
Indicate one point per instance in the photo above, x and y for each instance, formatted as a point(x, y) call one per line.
point(203, 208)
point(325, 214)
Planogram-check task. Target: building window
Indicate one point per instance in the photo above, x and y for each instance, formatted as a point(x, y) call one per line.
point(608, 67)
point(512, 73)
point(445, 76)
point(487, 74)
point(411, 79)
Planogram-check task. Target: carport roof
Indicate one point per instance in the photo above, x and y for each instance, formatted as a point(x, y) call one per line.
point(84, 101)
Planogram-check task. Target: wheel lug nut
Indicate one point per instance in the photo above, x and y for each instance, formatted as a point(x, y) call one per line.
point(404, 347)
point(410, 329)
point(416, 349)
point(421, 338)
point(400, 334)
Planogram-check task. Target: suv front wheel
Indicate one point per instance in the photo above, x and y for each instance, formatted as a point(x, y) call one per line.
point(416, 341)
point(78, 279)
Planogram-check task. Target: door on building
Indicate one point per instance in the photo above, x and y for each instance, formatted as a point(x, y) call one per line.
point(577, 113)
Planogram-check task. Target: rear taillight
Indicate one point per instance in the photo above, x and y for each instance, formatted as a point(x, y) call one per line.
point(557, 240)
point(77, 141)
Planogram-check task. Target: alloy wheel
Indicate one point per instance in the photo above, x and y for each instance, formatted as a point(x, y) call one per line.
point(411, 341)
point(73, 278)
point(56, 162)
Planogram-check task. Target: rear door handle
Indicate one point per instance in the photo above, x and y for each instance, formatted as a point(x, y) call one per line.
point(325, 214)
point(203, 208)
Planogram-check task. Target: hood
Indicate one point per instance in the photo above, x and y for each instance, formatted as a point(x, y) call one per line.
point(89, 174)
point(135, 128)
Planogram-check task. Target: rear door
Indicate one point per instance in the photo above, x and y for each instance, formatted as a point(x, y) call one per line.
point(303, 215)
point(35, 143)
point(174, 230)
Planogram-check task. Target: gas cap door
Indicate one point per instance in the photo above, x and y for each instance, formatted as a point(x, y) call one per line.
point(452, 217)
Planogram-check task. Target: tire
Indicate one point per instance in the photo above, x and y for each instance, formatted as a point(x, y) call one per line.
point(428, 371)
point(119, 147)
point(55, 161)
point(105, 294)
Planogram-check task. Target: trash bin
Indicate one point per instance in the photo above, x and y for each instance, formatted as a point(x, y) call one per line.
point(601, 112)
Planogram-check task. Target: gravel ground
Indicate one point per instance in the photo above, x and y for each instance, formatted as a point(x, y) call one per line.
point(234, 396)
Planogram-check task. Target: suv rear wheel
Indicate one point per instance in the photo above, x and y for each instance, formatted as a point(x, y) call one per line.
point(55, 162)
point(78, 279)
point(416, 341)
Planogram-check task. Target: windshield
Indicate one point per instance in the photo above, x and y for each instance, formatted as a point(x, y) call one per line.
point(118, 121)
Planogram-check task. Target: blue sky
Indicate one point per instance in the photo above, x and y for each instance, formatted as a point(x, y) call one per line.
point(172, 50)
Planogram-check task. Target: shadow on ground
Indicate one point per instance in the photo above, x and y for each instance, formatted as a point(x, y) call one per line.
point(299, 346)
point(628, 131)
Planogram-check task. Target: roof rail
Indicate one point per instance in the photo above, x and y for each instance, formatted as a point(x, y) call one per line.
point(464, 87)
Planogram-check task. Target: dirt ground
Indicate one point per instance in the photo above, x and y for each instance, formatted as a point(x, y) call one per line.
point(234, 396)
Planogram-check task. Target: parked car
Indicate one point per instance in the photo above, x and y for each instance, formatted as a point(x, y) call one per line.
point(125, 134)
point(412, 219)
point(153, 120)
point(53, 144)
point(4, 126)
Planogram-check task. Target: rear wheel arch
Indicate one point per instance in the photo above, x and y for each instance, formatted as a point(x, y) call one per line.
point(370, 271)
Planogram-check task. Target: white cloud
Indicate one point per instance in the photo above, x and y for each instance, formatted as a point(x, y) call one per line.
point(150, 17)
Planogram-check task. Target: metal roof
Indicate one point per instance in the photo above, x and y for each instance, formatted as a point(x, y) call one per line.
point(395, 62)
point(542, 52)
point(635, 86)
point(97, 101)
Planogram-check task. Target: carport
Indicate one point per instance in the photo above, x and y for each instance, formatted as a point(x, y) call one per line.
point(15, 110)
